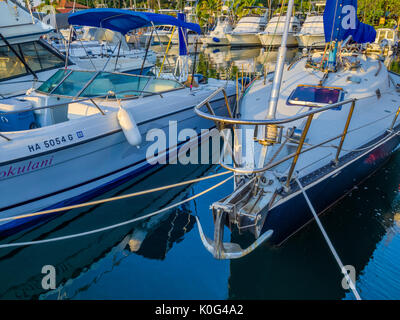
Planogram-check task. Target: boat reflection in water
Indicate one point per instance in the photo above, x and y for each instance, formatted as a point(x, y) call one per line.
point(254, 60)
point(80, 262)
point(303, 268)
point(365, 232)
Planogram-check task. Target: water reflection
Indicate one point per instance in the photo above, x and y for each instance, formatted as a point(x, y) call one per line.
point(223, 62)
point(77, 258)
point(303, 268)
point(163, 258)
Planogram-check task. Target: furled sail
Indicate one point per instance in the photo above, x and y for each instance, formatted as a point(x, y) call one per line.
point(340, 22)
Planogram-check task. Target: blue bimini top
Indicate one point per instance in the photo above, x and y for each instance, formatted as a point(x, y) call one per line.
point(123, 21)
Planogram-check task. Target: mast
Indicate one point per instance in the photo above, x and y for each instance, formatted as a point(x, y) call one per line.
point(276, 86)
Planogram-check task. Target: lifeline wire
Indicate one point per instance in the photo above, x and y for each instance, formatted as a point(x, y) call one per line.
point(77, 235)
point(328, 241)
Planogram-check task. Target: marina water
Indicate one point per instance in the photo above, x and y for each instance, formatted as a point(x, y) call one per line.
point(163, 257)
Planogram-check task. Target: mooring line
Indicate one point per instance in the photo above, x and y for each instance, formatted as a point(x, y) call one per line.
point(130, 195)
point(81, 234)
point(328, 241)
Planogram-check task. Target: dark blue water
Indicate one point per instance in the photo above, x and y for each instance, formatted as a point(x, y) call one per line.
point(163, 257)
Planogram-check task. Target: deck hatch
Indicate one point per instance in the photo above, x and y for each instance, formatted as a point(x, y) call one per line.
point(315, 96)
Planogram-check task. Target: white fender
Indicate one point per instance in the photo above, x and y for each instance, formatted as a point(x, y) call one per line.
point(129, 127)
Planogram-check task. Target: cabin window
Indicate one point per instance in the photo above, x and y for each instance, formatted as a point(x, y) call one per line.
point(123, 86)
point(102, 84)
point(381, 36)
point(37, 56)
point(40, 58)
point(10, 65)
point(314, 96)
point(54, 80)
point(73, 84)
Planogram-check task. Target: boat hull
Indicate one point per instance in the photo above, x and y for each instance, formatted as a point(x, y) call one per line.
point(82, 171)
point(216, 41)
point(276, 40)
point(291, 214)
point(311, 41)
point(243, 39)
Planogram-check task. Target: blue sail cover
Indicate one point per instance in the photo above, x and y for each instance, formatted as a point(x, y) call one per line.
point(183, 39)
point(124, 21)
point(340, 22)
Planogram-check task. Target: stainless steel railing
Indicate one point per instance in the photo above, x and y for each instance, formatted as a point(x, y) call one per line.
point(221, 123)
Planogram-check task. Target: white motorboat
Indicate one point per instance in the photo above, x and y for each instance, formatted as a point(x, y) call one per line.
point(192, 38)
point(161, 35)
point(272, 35)
point(25, 59)
point(83, 132)
point(304, 137)
point(386, 42)
point(102, 49)
point(312, 33)
point(246, 31)
point(218, 37)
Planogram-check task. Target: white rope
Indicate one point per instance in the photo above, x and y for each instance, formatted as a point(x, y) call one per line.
point(130, 195)
point(328, 241)
point(77, 235)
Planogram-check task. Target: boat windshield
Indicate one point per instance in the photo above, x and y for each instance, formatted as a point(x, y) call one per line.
point(315, 96)
point(88, 84)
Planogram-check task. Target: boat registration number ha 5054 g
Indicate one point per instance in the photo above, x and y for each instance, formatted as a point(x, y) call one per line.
point(54, 142)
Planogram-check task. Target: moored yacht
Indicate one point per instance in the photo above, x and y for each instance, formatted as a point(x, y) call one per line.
point(25, 59)
point(83, 132)
point(304, 137)
point(246, 31)
point(272, 35)
point(99, 49)
point(312, 33)
point(218, 37)
point(160, 34)
point(386, 42)
point(192, 38)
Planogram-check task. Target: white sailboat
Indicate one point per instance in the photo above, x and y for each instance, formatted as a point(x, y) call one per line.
point(83, 132)
point(304, 137)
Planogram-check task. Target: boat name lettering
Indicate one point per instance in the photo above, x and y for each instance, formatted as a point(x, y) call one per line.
point(16, 170)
